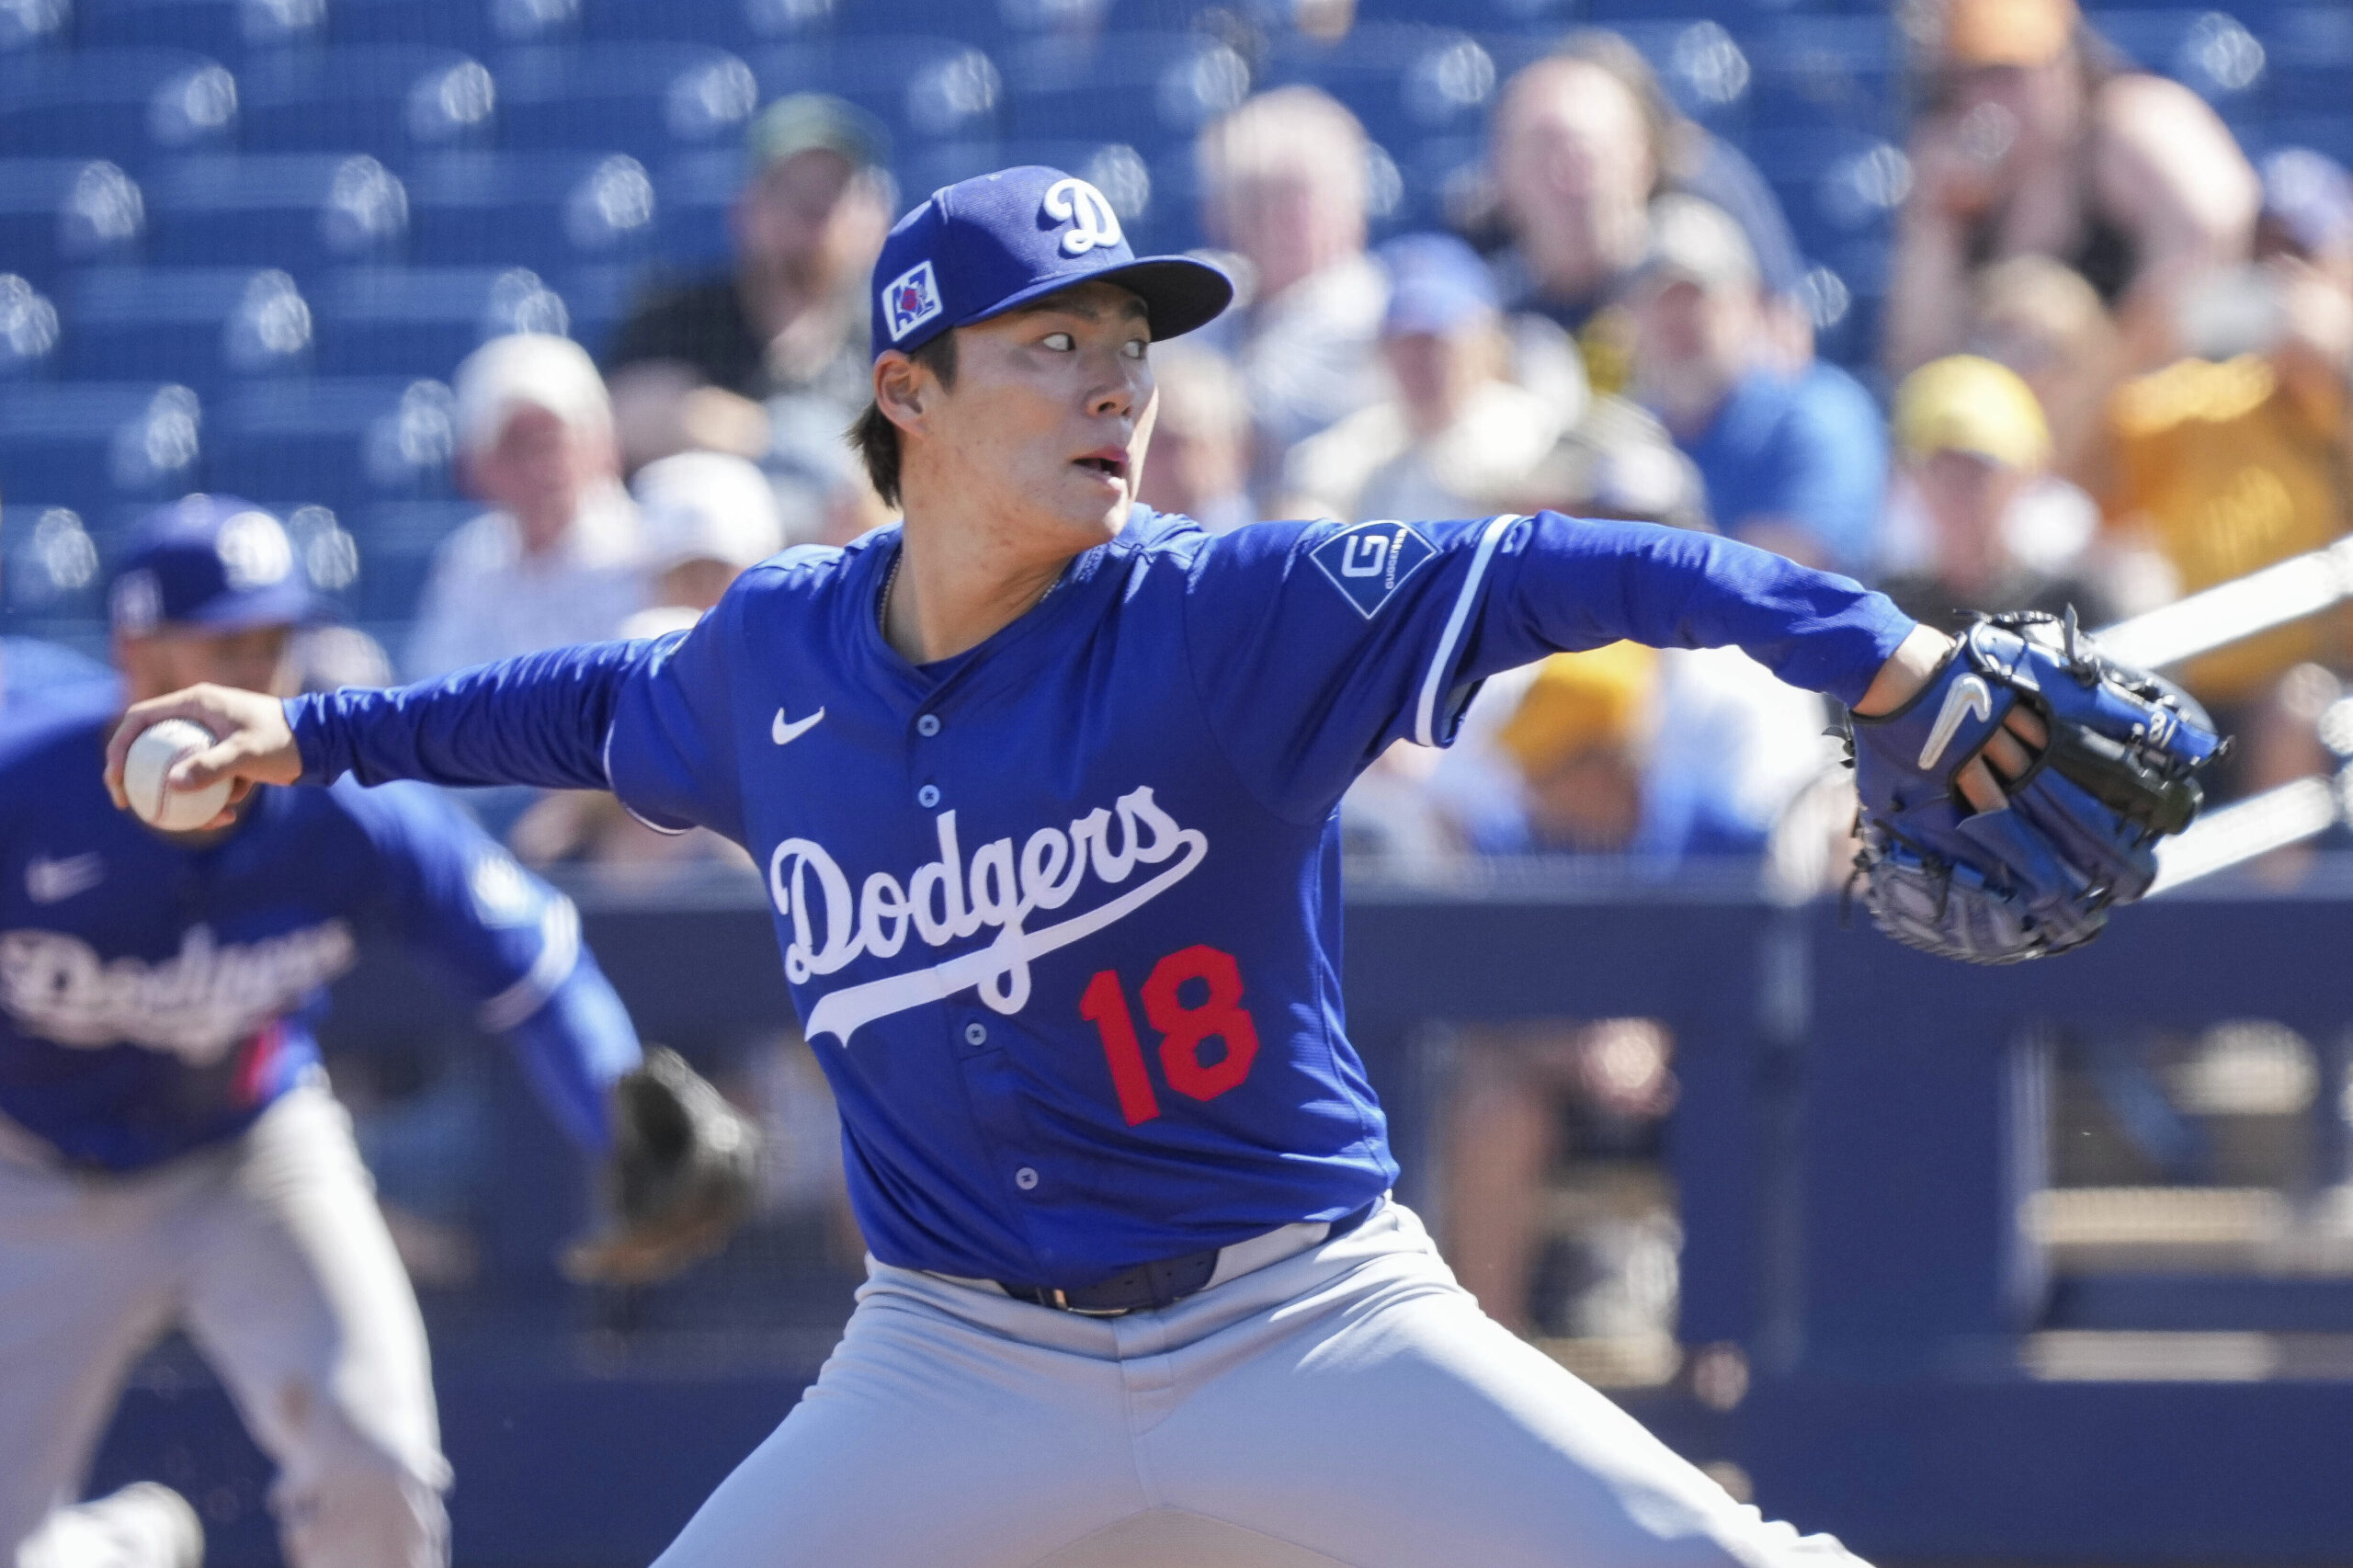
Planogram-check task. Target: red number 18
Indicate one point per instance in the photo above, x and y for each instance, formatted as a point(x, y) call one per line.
point(1220, 1017)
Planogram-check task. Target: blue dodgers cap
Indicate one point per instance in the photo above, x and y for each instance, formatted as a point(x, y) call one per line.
point(983, 245)
point(1436, 284)
point(212, 562)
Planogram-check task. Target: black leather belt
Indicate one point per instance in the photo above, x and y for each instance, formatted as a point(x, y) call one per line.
point(1151, 1285)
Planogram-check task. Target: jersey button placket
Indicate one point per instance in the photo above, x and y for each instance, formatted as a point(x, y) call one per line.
point(927, 797)
point(1026, 1179)
point(927, 726)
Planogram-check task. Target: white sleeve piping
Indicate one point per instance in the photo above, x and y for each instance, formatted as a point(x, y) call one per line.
point(606, 757)
point(559, 955)
point(1426, 710)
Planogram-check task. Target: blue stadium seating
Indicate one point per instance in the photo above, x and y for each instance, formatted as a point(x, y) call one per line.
point(301, 211)
point(548, 212)
point(390, 321)
point(341, 442)
point(53, 210)
point(648, 98)
point(396, 543)
point(52, 569)
point(98, 446)
point(128, 105)
point(219, 26)
point(691, 196)
point(924, 88)
point(200, 326)
point(391, 100)
point(1148, 90)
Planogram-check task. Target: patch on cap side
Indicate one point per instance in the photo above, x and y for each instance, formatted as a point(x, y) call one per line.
point(910, 300)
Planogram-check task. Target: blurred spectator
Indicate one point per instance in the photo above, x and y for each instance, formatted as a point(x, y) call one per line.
point(30, 669)
point(1199, 464)
point(2234, 460)
point(2038, 139)
point(1583, 140)
point(1658, 756)
point(1995, 530)
point(1456, 439)
point(768, 360)
point(556, 560)
point(706, 517)
point(1795, 461)
point(2039, 318)
point(1616, 462)
point(1284, 182)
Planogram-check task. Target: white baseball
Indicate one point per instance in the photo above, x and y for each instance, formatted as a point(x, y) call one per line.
point(150, 762)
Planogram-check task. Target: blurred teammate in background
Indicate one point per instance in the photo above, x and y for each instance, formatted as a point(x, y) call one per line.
point(1975, 508)
point(1455, 437)
point(2039, 139)
point(557, 558)
point(169, 1151)
point(758, 360)
point(1284, 182)
point(1794, 462)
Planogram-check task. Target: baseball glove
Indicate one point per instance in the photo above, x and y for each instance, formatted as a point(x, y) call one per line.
point(2077, 834)
point(680, 1179)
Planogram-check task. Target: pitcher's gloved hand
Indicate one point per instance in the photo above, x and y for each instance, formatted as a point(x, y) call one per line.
point(2114, 768)
point(679, 1179)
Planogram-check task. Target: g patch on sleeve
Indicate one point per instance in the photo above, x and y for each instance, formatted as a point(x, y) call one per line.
point(1369, 562)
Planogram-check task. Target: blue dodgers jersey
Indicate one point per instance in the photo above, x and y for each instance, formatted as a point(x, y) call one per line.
point(155, 998)
point(1061, 914)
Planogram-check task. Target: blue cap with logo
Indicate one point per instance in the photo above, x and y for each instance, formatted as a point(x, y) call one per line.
point(982, 246)
point(209, 561)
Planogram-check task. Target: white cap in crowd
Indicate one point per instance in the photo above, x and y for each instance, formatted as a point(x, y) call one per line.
point(706, 505)
point(529, 369)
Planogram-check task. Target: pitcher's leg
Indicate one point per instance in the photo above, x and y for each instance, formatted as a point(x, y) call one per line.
point(936, 1434)
point(82, 1293)
point(1385, 1421)
point(303, 1305)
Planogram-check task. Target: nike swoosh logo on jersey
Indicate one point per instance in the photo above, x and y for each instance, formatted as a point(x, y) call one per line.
point(53, 881)
point(1969, 695)
point(784, 733)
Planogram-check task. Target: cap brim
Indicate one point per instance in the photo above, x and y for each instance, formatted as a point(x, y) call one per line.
point(1178, 292)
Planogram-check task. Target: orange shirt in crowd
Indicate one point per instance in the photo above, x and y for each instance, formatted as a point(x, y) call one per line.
point(2226, 472)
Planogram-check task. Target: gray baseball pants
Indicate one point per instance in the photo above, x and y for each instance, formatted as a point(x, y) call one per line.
point(269, 1250)
point(1344, 1406)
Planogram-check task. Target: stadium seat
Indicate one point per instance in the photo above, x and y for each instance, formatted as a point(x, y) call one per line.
point(396, 544)
point(219, 26)
point(56, 211)
point(692, 194)
point(548, 212)
point(125, 104)
point(1146, 90)
point(926, 88)
point(200, 326)
point(391, 100)
point(472, 26)
point(297, 210)
point(52, 568)
point(341, 442)
point(647, 98)
point(422, 321)
point(1403, 82)
point(97, 446)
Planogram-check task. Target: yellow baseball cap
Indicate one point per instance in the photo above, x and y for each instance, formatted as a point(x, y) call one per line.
point(1578, 701)
point(2009, 32)
point(1964, 403)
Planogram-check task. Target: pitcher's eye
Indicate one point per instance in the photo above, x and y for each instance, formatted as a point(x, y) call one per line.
point(1060, 342)
point(1133, 349)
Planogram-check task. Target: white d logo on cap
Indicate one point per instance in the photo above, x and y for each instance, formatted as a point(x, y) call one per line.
point(1087, 210)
